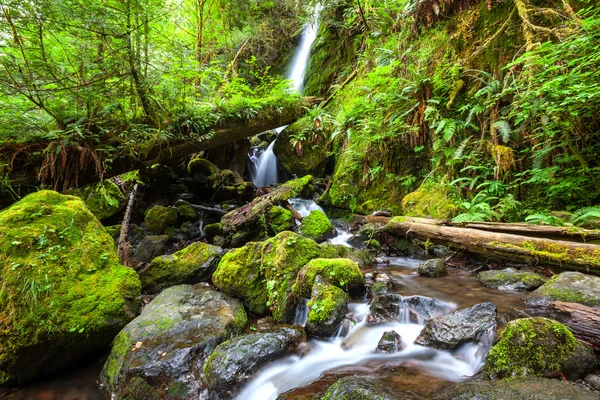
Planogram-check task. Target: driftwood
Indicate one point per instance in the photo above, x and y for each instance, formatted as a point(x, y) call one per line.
point(583, 321)
point(557, 232)
point(295, 213)
point(567, 255)
point(123, 245)
point(210, 210)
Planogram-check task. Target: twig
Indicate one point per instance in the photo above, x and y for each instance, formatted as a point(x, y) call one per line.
point(123, 246)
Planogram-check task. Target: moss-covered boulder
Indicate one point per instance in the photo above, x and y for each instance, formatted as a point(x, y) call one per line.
point(317, 226)
point(194, 264)
point(63, 292)
point(511, 279)
point(104, 199)
point(326, 309)
point(235, 362)
point(432, 200)
point(165, 347)
point(202, 168)
point(159, 218)
point(362, 257)
point(280, 220)
point(212, 230)
point(432, 268)
point(538, 346)
point(573, 287)
point(340, 272)
point(187, 212)
point(359, 388)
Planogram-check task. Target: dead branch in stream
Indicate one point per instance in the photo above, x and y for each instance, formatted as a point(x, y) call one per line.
point(123, 245)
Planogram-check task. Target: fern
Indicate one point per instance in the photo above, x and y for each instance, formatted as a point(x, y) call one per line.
point(585, 215)
point(544, 219)
point(504, 128)
point(461, 149)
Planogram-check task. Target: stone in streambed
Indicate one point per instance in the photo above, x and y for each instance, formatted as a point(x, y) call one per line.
point(538, 346)
point(150, 247)
point(159, 218)
point(447, 332)
point(162, 351)
point(326, 309)
point(359, 388)
point(390, 342)
point(340, 272)
point(235, 362)
point(510, 279)
point(572, 287)
point(193, 264)
point(317, 226)
point(433, 268)
point(396, 308)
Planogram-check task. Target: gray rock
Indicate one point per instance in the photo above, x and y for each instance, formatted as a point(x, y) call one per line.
point(433, 268)
point(358, 388)
point(235, 362)
point(530, 388)
point(166, 346)
point(379, 288)
point(511, 279)
point(573, 287)
point(327, 308)
point(396, 308)
point(593, 381)
point(382, 213)
point(149, 248)
point(382, 277)
point(390, 342)
point(450, 331)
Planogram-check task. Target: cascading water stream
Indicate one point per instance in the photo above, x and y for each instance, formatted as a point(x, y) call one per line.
point(263, 169)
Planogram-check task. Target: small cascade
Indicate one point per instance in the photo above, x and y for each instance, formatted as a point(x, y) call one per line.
point(301, 313)
point(264, 172)
point(342, 238)
point(304, 206)
point(300, 63)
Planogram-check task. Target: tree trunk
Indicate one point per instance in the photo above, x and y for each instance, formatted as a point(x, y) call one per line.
point(240, 158)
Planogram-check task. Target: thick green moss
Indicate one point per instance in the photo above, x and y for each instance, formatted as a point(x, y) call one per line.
point(62, 289)
point(104, 199)
point(340, 272)
point(159, 218)
point(187, 212)
point(326, 309)
point(432, 200)
point(530, 346)
point(573, 287)
point(113, 230)
point(280, 219)
point(193, 264)
point(496, 279)
point(199, 165)
point(317, 226)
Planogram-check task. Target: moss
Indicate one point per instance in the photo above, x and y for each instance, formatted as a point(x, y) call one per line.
point(325, 304)
point(495, 279)
point(113, 230)
point(432, 200)
point(573, 287)
point(530, 346)
point(62, 282)
point(379, 288)
point(340, 272)
point(104, 199)
point(187, 212)
point(317, 226)
point(212, 230)
point(139, 389)
point(178, 390)
point(193, 264)
point(159, 218)
point(199, 165)
point(280, 219)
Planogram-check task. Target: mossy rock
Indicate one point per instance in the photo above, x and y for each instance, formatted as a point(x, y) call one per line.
point(159, 218)
point(573, 287)
point(326, 309)
point(432, 200)
point(187, 212)
point(537, 346)
point(433, 268)
point(193, 264)
point(63, 292)
point(200, 166)
point(317, 226)
point(340, 272)
point(359, 388)
point(104, 199)
point(114, 231)
point(280, 219)
point(362, 257)
point(170, 340)
point(511, 279)
point(212, 230)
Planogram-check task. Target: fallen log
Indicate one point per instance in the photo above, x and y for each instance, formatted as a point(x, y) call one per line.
point(566, 255)
point(557, 232)
point(123, 245)
point(210, 210)
point(583, 321)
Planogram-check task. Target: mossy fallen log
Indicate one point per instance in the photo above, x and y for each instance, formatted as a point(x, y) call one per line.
point(562, 254)
point(555, 232)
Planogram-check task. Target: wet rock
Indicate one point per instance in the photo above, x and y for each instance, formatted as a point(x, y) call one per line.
point(538, 346)
point(573, 287)
point(433, 268)
point(390, 342)
point(63, 292)
point(317, 226)
point(440, 251)
point(512, 314)
point(341, 272)
point(235, 362)
point(312, 160)
point(187, 212)
point(194, 264)
point(212, 230)
point(593, 381)
point(382, 213)
point(358, 388)
point(327, 308)
point(280, 220)
point(380, 288)
point(447, 332)
point(510, 279)
point(163, 349)
point(190, 230)
point(528, 388)
point(382, 277)
point(149, 248)
point(159, 218)
point(362, 257)
point(265, 324)
point(396, 308)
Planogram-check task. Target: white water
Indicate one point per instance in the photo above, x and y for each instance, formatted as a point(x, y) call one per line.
point(341, 238)
point(304, 206)
point(300, 63)
point(265, 167)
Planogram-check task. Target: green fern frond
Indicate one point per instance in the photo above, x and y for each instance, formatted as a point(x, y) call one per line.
point(585, 214)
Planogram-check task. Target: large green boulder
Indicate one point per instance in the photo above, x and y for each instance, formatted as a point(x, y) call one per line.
point(432, 200)
point(193, 264)
point(159, 218)
point(326, 309)
point(572, 287)
point(359, 388)
point(340, 272)
point(63, 292)
point(317, 226)
point(162, 351)
point(104, 199)
point(538, 346)
point(280, 220)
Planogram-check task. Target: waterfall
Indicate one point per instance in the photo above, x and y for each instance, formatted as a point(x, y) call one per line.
point(263, 169)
